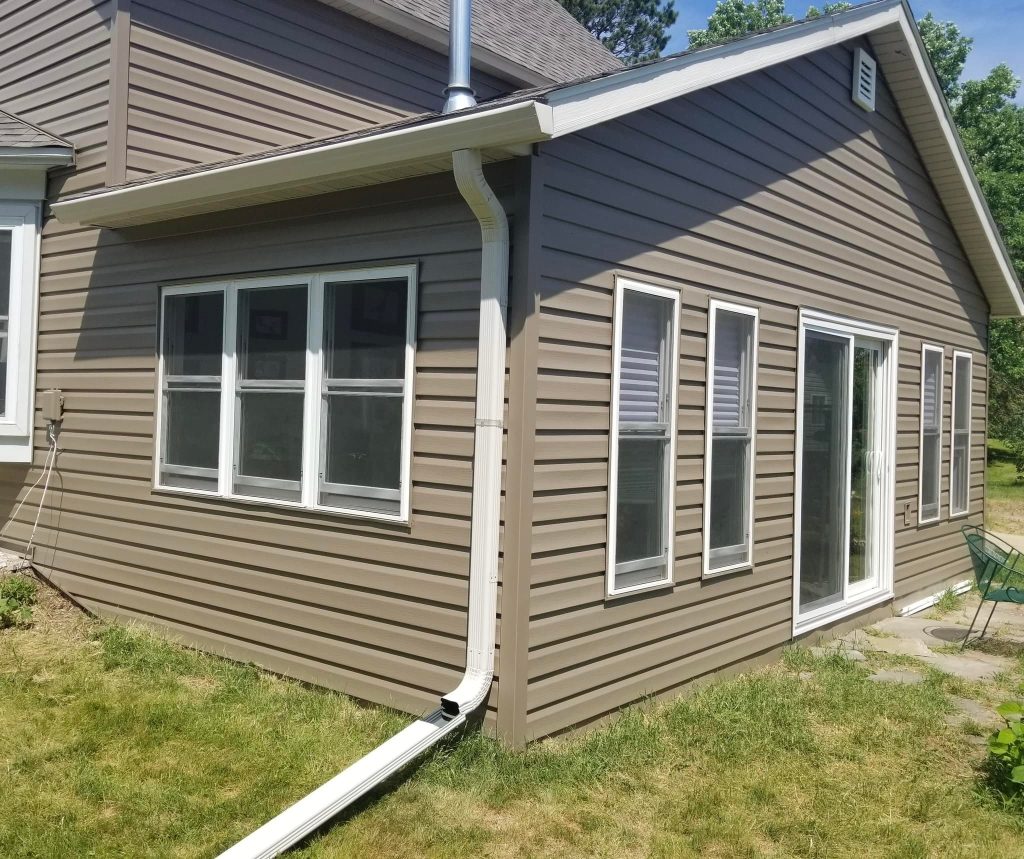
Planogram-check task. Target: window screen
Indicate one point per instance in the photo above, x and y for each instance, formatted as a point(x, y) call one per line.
point(931, 432)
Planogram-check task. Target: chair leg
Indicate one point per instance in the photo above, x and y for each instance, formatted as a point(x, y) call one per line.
point(987, 622)
point(963, 644)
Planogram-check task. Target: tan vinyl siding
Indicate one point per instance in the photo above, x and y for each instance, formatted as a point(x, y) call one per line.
point(213, 79)
point(773, 190)
point(54, 73)
point(375, 609)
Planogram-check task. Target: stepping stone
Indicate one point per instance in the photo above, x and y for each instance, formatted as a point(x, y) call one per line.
point(970, 709)
point(970, 666)
point(898, 675)
point(846, 653)
point(900, 647)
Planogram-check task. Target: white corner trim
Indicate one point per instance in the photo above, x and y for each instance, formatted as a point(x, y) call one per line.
point(927, 602)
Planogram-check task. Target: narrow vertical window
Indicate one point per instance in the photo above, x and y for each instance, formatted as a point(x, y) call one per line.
point(642, 467)
point(193, 337)
point(366, 344)
point(729, 451)
point(932, 359)
point(270, 389)
point(960, 462)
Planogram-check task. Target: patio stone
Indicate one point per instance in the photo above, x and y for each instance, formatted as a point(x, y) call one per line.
point(898, 675)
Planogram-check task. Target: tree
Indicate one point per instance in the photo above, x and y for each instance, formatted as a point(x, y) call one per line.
point(992, 128)
point(633, 30)
point(734, 18)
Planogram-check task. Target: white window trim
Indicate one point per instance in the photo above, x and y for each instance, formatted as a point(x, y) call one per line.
point(925, 349)
point(883, 592)
point(960, 353)
point(23, 221)
point(313, 389)
point(621, 285)
point(753, 312)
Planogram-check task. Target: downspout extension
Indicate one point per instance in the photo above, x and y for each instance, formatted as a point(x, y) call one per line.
point(328, 800)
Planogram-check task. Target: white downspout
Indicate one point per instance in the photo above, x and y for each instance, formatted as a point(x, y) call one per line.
point(311, 812)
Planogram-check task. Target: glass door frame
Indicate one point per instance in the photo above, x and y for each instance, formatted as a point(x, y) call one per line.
point(880, 587)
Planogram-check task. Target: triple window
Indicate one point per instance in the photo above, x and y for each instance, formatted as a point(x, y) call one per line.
point(730, 433)
point(641, 532)
point(960, 462)
point(932, 361)
point(295, 390)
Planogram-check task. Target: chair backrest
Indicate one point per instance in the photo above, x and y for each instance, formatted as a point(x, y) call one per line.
point(989, 554)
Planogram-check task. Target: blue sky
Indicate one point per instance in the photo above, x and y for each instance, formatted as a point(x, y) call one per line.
point(997, 27)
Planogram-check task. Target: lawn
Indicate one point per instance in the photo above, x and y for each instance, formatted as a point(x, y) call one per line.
point(115, 742)
point(1005, 502)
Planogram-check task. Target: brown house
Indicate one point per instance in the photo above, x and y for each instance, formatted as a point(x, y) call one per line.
point(738, 396)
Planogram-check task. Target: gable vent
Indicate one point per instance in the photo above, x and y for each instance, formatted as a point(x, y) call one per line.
point(864, 75)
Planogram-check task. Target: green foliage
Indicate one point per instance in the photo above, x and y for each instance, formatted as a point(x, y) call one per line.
point(633, 30)
point(1006, 749)
point(732, 19)
point(991, 125)
point(17, 596)
point(948, 50)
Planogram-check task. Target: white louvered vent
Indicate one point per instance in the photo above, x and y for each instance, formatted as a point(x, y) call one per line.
point(864, 75)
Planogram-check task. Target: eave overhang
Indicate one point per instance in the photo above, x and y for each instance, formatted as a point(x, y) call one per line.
point(508, 126)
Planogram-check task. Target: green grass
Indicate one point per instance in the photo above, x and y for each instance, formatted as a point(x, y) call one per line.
point(114, 742)
point(1005, 492)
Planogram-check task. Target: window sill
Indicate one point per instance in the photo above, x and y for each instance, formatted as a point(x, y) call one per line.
point(954, 516)
point(638, 589)
point(732, 570)
point(866, 601)
point(273, 504)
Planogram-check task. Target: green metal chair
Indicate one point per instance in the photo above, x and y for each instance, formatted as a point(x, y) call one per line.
point(998, 569)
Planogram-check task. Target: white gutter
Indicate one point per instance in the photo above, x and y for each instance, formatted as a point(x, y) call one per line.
point(406, 150)
point(308, 814)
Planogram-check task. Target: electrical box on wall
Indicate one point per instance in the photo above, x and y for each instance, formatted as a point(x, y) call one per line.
point(51, 403)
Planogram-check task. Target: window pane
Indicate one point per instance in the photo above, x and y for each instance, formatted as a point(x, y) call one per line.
point(732, 379)
point(366, 329)
point(191, 439)
point(5, 303)
point(962, 407)
point(823, 507)
point(960, 483)
point(640, 518)
point(363, 449)
point(930, 455)
point(729, 499)
point(931, 419)
point(272, 333)
point(642, 362)
point(269, 444)
point(193, 334)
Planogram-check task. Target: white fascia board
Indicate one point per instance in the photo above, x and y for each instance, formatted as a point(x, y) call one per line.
point(504, 128)
point(956, 150)
point(24, 158)
point(604, 99)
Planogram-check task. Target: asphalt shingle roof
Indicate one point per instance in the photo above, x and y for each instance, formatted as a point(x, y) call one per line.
point(537, 34)
point(15, 133)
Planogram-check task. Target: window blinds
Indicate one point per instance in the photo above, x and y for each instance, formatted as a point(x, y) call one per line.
point(640, 370)
point(730, 395)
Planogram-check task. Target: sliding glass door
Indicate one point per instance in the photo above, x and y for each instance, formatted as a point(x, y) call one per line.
point(845, 451)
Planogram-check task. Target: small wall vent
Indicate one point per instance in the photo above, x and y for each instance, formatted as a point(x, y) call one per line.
point(864, 75)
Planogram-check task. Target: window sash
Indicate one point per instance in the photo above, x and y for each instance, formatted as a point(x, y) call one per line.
point(960, 435)
point(738, 425)
point(649, 420)
point(18, 329)
point(930, 468)
point(314, 390)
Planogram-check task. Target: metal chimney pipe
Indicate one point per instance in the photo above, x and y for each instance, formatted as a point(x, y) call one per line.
point(459, 93)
